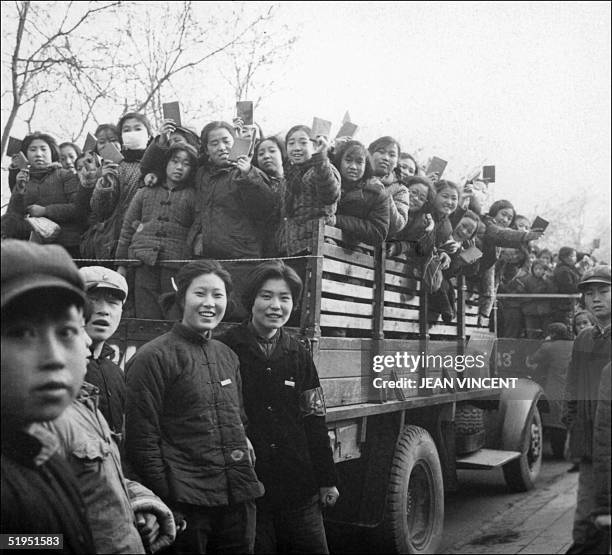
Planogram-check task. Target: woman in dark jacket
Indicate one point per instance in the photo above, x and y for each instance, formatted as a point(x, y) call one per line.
point(44, 189)
point(286, 409)
point(184, 420)
point(364, 206)
point(230, 200)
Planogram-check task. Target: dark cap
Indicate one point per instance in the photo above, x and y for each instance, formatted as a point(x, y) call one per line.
point(599, 274)
point(27, 266)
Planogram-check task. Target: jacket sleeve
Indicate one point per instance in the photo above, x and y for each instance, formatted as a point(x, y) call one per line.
point(313, 408)
point(104, 200)
point(504, 237)
point(132, 217)
point(325, 177)
point(146, 376)
point(570, 406)
point(66, 212)
point(400, 203)
point(153, 159)
point(257, 196)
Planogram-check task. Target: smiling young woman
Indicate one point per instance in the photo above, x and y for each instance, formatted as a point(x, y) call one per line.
point(184, 420)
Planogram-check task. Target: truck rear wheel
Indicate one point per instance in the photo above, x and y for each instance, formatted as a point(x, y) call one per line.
point(414, 511)
point(520, 474)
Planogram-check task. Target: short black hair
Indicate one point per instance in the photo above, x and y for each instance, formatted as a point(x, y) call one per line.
point(197, 268)
point(275, 269)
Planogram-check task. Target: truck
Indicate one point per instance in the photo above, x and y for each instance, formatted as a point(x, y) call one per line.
point(399, 431)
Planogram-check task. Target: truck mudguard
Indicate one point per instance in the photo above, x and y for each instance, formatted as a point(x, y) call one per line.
point(515, 406)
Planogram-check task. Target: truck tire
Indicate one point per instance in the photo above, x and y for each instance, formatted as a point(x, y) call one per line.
point(414, 510)
point(557, 442)
point(520, 474)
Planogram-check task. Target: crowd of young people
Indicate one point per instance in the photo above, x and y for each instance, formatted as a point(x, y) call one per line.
point(176, 196)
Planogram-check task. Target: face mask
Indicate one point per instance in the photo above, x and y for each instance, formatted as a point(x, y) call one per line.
point(135, 140)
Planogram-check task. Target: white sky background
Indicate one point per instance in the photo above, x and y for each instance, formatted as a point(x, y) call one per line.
point(523, 86)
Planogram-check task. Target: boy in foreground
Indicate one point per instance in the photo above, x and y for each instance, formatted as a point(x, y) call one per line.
point(43, 360)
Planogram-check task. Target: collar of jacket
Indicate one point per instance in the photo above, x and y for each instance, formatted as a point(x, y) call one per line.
point(216, 170)
point(88, 392)
point(33, 446)
point(44, 172)
point(245, 336)
point(599, 331)
point(107, 352)
point(190, 335)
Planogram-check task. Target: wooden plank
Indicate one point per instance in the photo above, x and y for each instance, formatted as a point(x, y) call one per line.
point(338, 235)
point(411, 314)
point(345, 343)
point(398, 280)
point(340, 253)
point(346, 269)
point(400, 298)
point(347, 289)
point(346, 307)
point(345, 322)
point(343, 364)
point(345, 391)
point(413, 327)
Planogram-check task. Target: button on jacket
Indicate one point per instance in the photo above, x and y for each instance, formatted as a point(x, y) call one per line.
point(284, 404)
point(184, 429)
point(85, 441)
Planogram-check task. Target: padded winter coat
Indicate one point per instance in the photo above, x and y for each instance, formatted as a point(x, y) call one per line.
point(56, 190)
point(312, 190)
point(284, 403)
point(229, 212)
point(364, 211)
point(157, 223)
point(184, 421)
point(590, 354)
point(601, 446)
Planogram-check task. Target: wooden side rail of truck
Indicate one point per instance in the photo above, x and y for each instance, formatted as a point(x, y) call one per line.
point(397, 449)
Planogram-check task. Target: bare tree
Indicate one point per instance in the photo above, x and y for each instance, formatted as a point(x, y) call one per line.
point(42, 50)
point(256, 50)
point(169, 43)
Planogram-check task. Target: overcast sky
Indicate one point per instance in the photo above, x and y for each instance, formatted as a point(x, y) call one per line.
point(525, 86)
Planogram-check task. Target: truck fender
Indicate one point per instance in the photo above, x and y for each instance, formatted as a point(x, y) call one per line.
point(515, 406)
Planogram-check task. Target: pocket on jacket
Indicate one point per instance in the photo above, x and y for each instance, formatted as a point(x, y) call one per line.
point(89, 455)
